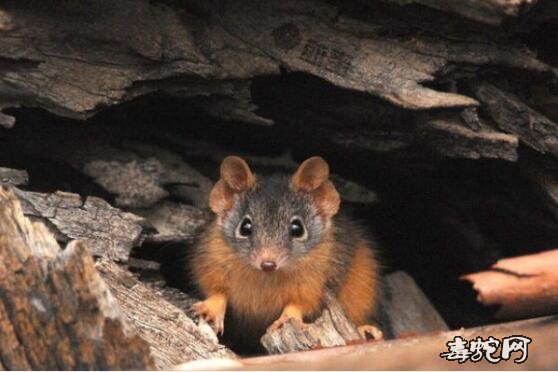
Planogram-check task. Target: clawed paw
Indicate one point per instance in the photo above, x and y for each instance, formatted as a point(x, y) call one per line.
point(369, 331)
point(212, 314)
point(297, 322)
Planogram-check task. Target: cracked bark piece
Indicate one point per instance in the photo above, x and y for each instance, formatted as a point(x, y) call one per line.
point(55, 310)
point(521, 287)
point(447, 134)
point(173, 337)
point(514, 116)
point(108, 231)
point(174, 222)
point(74, 60)
point(303, 37)
point(332, 328)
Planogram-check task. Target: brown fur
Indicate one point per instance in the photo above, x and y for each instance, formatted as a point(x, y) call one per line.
point(343, 261)
point(256, 298)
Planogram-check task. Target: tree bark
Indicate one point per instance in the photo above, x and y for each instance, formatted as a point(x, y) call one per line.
point(55, 310)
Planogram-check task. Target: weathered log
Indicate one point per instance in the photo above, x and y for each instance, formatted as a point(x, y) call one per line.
point(172, 336)
point(416, 353)
point(405, 310)
point(305, 36)
point(128, 48)
point(55, 310)
point(524, 286)
point(332, 328)
point(107, 231)
point(514, 116)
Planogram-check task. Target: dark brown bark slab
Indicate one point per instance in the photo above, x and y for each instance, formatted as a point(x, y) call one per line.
point(451, 136)
point(55, 310)
point(512, 115)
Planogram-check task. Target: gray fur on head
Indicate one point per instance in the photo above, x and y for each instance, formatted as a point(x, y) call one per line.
point(271, 205)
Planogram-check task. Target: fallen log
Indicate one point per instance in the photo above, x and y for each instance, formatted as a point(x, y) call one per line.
point(55, 310)
point(521, 287)
point(416, 353)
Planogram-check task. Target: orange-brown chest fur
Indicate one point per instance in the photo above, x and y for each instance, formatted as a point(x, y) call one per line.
point(257, 298)
point(253, 294)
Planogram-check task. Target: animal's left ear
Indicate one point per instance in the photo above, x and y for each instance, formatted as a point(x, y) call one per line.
point(312, 177)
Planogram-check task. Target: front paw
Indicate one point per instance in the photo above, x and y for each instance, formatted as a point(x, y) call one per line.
point(368, 331)
point(213, 313)
point(297, 322)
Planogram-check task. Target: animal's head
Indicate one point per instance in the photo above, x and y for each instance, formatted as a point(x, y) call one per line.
point(273, 221)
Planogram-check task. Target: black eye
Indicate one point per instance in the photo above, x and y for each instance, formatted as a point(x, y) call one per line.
point(245, 228)
point(296, 230)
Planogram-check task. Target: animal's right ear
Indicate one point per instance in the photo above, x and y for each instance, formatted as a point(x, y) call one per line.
point(236, 177)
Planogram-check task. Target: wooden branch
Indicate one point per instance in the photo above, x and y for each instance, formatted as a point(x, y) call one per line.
point(107, 231)
point(172, 336)
point(55, 310)
point(514, 116)
point(405, 310)
point(417, 353)
point(521, 287)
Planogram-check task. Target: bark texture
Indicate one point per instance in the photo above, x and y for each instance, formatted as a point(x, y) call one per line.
point(56, 311)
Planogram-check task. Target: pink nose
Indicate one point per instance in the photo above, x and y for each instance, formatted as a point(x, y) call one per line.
point(268, 265)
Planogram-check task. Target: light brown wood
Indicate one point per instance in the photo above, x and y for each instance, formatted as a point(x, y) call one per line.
point(417, 353)
point(521, 287)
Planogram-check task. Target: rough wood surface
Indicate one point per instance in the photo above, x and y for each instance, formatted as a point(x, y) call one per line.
point(173, 337)
point(521, 287)
point(405, 309)
point(332, 328)
point(416, 353)
point(55, 310)
point(14, 177)
point(107, 231)
point(128, 48)
point(514, 116)
point(449, 135)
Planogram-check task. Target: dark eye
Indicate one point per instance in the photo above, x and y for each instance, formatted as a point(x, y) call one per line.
point(296, 229)
point(244, 230)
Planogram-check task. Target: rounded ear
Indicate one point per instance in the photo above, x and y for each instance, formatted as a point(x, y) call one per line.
point(236, 177)
point(310, 174)
point(237, 174)
point(312, 177)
